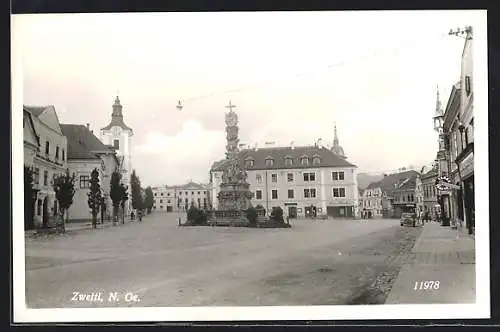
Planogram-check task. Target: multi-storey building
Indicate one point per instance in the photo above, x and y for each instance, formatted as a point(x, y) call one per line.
point(47, 161)
point(119, 135)
point(86, 153)
point(303, 181)
point(430, 192)
point(458, 128)
point(181, 197)
point(390, 196)
point(372, 201)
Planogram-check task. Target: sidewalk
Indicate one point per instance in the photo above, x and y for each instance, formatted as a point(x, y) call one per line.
point(440, 254)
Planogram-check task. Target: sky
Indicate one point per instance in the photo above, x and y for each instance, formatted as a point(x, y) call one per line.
point(292, 76)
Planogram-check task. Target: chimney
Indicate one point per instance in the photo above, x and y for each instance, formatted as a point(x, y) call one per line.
point(88, 126)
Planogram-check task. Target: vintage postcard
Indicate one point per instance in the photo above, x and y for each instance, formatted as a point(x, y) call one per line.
point(224, 166)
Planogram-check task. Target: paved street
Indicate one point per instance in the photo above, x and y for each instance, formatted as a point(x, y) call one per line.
point(315, 262)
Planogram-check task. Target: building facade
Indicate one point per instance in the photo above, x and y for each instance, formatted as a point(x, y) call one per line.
point(303, 181)
point(430, 192)
point(47, 161)
point(118, 135)
point(394, 194)
point(86, 153)
point(180, 198)
point(459, 131)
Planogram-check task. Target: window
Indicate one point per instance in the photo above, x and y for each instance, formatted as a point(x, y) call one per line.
point(84, 181)
point(258, 177)
point(404, 198)
point(168, 194)
point(205, 192)
point(161, 207)
point(192, 193)
point(309, 176)
point(339, 192)
point(290, 177)
point(274, 177)
point(161, 194)
point(258, 194)
point(269, 161)
point(180, 193)
point(155, 194)
point(116, 144)
point(36, 176)
point(39, 208)
point(310, 193)
point(186, 192)
point(288, 161)
point(290, 193)
point(63, 156)
point(161, 200)
point(249, 162)
point(45, 177)
point(337, 176)
point(467, 85)
point(57, 152)
point(205, 203)
point(199, 202)
point(274, 194)
point(168, 201)
point(47, 147)
point(316, 160)
point(304, 161)
point(198, 192)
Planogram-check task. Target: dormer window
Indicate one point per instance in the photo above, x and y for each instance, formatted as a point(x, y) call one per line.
point(288, 161)
point(249, 162)
point(304, 161)
point(269, 161)
point(316, 160)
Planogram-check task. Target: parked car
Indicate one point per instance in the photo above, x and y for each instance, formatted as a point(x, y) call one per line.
point(409, 216)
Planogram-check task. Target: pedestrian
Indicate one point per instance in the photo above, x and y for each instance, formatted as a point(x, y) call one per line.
point(139, 214)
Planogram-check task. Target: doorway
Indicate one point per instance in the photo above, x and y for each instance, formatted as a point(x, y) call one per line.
point(292, 212)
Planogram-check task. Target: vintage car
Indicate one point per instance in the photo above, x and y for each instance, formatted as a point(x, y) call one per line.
point(408, 219)
point(409, 216)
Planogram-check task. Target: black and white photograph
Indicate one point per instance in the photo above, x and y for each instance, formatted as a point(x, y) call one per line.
point(225, 166)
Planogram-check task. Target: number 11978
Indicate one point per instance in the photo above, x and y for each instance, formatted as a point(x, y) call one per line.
point(426, 285)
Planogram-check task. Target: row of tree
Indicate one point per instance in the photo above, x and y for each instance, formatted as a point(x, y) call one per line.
point(64, 189)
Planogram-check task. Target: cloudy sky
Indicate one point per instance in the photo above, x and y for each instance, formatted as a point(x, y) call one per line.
point(292, 76)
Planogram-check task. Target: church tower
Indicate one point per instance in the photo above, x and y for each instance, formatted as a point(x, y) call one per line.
point(336, 148)
point(118, 135)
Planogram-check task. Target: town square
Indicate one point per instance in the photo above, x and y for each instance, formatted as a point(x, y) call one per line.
point(190, 177)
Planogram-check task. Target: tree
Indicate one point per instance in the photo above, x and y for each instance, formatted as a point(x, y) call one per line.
point(115, 193)
point(135, 183)
point(123, 199)
point(95, 199)
point(29, 200)
point(65, 190)
point(149, 200)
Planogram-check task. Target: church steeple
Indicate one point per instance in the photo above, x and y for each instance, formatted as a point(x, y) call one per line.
point(117, 117)
point(117, 108)
point(336, 148)
point(439, 106)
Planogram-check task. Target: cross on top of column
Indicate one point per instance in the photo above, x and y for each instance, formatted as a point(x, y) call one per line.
point(230, 106)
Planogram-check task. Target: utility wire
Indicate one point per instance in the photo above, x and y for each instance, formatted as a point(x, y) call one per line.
point(404, 45)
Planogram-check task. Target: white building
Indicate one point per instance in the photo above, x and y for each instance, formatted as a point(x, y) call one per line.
point(119, 135)
point(41, 124)
point(85, 153)
point(181, 197)
point(300, 180)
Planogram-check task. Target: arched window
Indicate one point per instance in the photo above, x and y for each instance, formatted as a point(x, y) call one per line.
point(269, 161)
point(316, 160)
point(249, 162)
point(288, 161)
point(304, 161)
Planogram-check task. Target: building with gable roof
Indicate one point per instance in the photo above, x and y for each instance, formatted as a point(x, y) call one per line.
point(302, 180)
point(388, 197)
point(119, 135)
point(45, 152)
point(86, 153)
point(180, 197)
